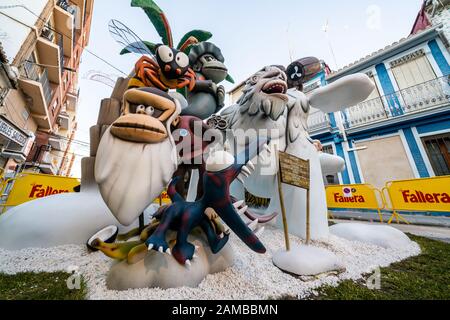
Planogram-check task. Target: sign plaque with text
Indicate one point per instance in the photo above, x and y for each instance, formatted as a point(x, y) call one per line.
point(294, 171)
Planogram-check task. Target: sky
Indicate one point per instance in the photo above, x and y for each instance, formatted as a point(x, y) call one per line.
point(250, 33)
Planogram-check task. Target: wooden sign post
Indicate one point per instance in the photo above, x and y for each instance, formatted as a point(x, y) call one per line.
point(295, 172)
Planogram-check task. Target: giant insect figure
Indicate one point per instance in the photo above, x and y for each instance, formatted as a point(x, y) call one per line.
point(161, 65)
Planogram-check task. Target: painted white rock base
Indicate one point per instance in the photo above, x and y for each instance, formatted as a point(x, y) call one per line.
point(63, 219)
point(307, 261)
point(159, 270)
point(381, 236)
point(252, 277)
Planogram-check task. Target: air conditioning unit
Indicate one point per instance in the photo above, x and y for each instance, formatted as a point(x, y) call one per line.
point(48, 34)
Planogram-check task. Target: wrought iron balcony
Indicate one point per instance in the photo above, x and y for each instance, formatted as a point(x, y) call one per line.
point(424, 96)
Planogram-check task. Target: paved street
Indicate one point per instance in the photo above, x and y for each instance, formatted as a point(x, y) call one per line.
point(436, 221)
point(431, 232)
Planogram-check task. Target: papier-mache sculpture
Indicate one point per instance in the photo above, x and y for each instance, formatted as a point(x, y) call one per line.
point(267, 104)
point(208, 95)
point(137, 155)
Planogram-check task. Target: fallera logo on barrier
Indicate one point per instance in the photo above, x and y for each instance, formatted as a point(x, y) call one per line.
point(31, 186)
point(40, 191)
point(349, 195)
point(359, 196)
point(421, 197)
point(429, 194)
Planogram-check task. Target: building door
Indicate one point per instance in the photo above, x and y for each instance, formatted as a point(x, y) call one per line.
point(438, 150)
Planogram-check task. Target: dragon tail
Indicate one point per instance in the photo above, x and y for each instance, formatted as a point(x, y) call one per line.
point(172, 191)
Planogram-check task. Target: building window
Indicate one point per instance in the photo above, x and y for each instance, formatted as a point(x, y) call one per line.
point(330, 179)
point(413, 72)
point(438, 150)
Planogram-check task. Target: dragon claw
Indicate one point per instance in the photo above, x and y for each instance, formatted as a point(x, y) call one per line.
point(169, 252)
point(243, 210)
point(253, 225)
point(150, 247)
point(246, 171)
point(188, 264)
point(239, 204)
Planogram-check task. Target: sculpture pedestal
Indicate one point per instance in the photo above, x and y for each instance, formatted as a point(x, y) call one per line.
point(158, 270)
point(306, 261)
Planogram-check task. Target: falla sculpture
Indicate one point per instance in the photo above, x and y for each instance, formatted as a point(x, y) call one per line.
point(267, 103)
point(205, 214)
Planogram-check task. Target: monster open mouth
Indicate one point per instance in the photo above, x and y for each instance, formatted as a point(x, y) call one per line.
point(275, 87)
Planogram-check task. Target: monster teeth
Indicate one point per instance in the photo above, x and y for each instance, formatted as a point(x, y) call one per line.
point(259, 232)
point(238, 204)
point(253, 225)
point(240, 179)
point(243, 210)
point(251, 165)
point(246, 171)
point(150, 247)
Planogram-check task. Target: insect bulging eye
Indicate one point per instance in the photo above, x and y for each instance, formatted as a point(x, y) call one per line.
point(182, 59)
point(165, 54)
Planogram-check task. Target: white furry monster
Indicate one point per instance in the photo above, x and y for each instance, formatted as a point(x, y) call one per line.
point(267, 104)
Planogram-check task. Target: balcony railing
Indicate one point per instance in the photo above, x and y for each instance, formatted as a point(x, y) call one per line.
point(36, 73)
point(318, 121)
point(417, 98)
point(58, 39)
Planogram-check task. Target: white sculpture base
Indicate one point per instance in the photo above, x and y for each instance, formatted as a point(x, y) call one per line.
point(382, 236)
point(306, 261)
point(70, 218)
point(163, 271)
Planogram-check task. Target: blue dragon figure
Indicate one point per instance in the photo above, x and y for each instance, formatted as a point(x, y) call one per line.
point(182, 216)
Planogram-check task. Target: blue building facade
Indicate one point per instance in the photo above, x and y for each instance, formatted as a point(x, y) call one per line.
point(402, 131)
